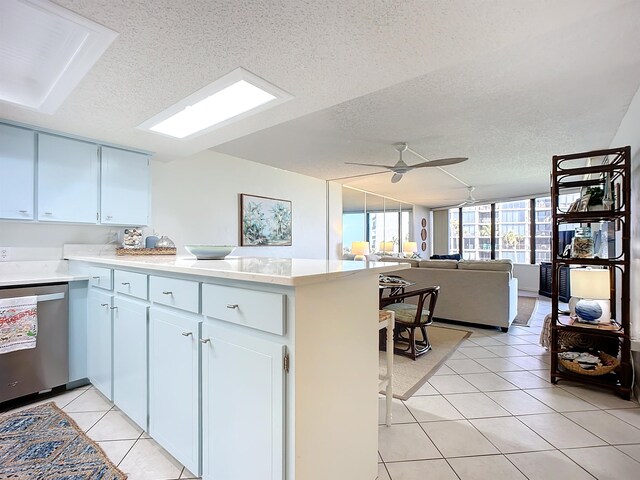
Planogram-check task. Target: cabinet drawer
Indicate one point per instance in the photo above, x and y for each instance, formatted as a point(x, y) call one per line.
point(130, 283)
point(182, 294)
point(100, 277)
point(260, 310)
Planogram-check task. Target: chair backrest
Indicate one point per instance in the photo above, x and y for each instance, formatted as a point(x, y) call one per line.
point(430, 295)
point(427, 297)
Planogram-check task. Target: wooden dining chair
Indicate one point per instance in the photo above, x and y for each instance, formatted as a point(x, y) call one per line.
point(410, 317)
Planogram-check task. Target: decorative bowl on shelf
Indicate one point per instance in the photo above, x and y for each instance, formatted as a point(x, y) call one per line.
point(210, 252)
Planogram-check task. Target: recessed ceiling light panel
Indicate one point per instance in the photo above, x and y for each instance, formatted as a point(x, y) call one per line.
point(228, 99)
point(45, 50)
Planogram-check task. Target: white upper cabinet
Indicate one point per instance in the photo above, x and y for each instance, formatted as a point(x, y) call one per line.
point(16, 173)
point(67, 180)
point(124, 187)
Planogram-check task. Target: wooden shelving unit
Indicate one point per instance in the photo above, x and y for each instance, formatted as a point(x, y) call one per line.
point(609, 169)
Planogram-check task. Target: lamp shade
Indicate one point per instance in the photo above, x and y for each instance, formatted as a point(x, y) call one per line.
point(386, 246)
point(409, 247)
point(587, 283)
point(360, 248)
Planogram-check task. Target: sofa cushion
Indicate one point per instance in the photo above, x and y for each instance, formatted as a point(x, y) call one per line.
point(493, 265)
point(412, 261)
point(453, 256)
point(450, 264)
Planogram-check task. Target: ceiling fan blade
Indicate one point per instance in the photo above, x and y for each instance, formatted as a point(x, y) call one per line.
point(441, 162)
point(370, 165)
point(470, 200)
point(396, 177)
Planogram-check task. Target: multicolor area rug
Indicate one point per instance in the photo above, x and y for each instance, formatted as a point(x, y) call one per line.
point(45, 443)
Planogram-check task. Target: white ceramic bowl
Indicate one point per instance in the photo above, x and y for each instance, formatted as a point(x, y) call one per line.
point(210, 252)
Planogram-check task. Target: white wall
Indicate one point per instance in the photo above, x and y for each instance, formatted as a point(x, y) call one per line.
point(420, 212)
point(44, 241)
point(528, 276)
point(196, 200)
point(629, 134)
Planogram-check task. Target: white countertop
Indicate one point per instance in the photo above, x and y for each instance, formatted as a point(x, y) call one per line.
point(278, 271)
point(33, 272)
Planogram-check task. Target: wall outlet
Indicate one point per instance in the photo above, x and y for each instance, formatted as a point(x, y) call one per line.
point(5, 254)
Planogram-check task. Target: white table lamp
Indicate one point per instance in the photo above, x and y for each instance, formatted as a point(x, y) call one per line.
point(360, 249)
point(591, 286)
point(386, 247)
point(409, 248)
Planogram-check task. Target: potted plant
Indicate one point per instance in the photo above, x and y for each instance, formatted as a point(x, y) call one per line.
point(596, 194)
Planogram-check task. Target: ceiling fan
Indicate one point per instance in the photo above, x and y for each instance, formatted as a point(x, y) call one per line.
point(400, 168)
point(470, 200)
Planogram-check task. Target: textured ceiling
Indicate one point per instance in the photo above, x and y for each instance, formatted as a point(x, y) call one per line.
point(506, 83)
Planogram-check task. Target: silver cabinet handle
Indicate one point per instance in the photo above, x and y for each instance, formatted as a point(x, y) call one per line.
point(48, 213)
point(167, 293)
point(125, 283)
point(232, 305)
point(23, 211)
point(187, 334)
point(104, 304)
point(113, 308)
point(96, 278)
point(205, 340)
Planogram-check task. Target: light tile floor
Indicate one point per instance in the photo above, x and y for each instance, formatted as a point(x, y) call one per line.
point(491, 413)
point(488, 413)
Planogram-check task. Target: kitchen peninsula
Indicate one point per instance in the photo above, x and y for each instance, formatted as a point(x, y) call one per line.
point(244, 367)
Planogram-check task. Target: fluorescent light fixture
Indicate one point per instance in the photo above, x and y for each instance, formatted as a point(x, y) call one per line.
point(45, 50)
point(228, 99)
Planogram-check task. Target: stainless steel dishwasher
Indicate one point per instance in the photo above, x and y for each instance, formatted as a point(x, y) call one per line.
point(38, 369)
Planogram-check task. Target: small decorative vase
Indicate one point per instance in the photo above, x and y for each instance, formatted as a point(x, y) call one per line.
point(588, 310)
point(151, 241)
point(165, 242)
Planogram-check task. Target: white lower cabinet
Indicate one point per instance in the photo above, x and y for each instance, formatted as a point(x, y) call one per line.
point(242, 405)
point(174, 384)
point(130, 359)
point(100, 340)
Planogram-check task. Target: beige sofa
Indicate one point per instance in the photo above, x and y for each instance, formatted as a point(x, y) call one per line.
point(482, 292)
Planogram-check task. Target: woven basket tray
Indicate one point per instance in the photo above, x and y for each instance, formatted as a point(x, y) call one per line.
point(603, 370)
point(145, 251)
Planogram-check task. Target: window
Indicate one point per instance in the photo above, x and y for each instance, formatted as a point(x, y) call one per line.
point(384, 227)
point(543, 229)
point(512, 222)
point(454, 230)
point(405, 228)
point(512, 238)
point(476, 232)
point(379, 227)
point(353, 230)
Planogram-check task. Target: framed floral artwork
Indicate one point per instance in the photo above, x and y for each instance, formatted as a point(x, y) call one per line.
point(265, 221)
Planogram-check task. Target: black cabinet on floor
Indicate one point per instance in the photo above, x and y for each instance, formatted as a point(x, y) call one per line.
point(546, 271)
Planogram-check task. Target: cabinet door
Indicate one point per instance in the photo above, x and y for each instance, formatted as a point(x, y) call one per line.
point(130, 359)
point(242, 405)
point(17, 160)
point(99, 341)
point(174, 384)
point(124, 190)
point(78, 310)
point(67, 180)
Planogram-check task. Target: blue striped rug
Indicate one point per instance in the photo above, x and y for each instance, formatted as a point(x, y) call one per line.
point(43, 442)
